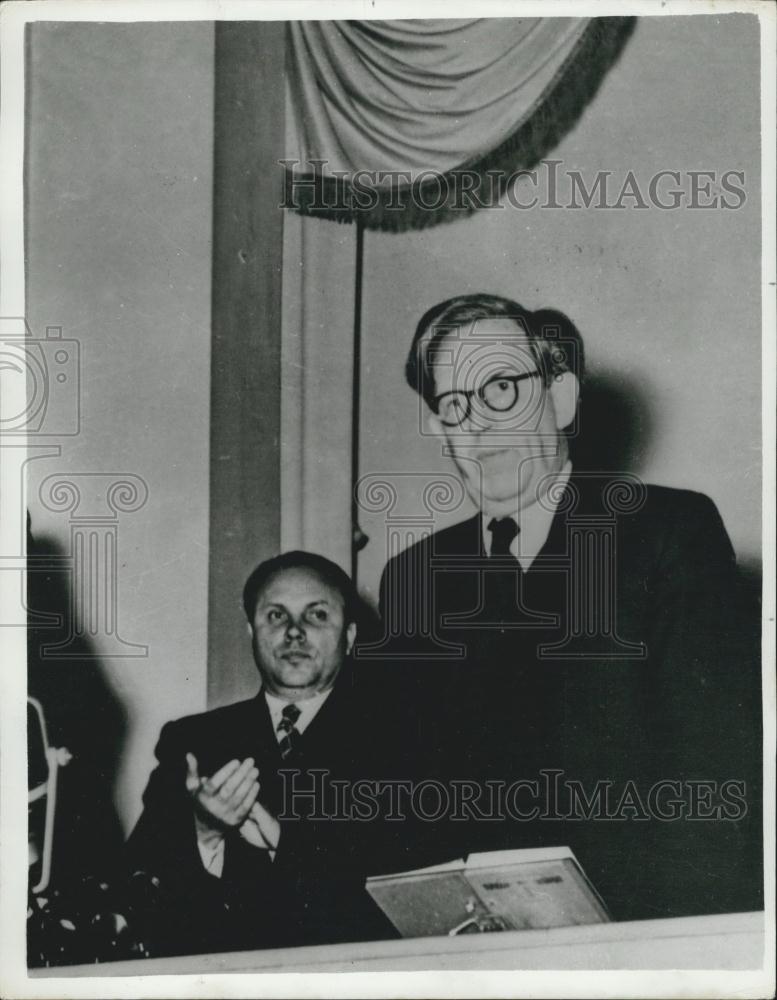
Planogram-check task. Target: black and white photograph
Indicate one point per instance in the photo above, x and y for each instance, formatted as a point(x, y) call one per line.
point(388, 450)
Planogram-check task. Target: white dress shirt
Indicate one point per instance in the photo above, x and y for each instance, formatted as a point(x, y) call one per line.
point(533, 523)
point(308, 710)
point(210, 842)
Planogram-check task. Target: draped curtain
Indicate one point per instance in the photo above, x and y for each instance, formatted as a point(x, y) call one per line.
point(385, 117)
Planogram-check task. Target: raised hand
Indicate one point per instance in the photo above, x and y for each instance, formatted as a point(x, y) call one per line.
point(225, 799)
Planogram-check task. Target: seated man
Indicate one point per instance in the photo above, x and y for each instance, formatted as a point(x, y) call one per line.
point(580, 622)
point(245, 854)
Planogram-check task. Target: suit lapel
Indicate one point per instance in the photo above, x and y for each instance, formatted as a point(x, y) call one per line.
point(556, 542)
point(265, 739)
point(328, 729)
point(462, 539)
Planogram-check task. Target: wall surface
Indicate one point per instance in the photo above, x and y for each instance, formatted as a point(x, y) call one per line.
point(119, 195)
point(667, 301)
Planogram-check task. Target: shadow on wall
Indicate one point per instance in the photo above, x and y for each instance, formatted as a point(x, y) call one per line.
point(615, 435)
point(81, 714)
point(615, 427)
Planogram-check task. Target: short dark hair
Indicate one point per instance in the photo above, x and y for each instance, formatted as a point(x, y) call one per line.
point(566, 355)
point(328, 571)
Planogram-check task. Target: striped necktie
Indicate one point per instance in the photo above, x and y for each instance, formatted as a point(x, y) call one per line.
point(288, 741)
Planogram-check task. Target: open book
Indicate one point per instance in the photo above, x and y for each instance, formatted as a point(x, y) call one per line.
point(535, 888)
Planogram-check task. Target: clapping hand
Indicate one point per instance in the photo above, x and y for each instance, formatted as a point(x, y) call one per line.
point(224, 800)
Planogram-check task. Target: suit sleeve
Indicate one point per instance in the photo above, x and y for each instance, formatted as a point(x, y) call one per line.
point(164, 839)
point(192, 911)
point(705, 726)
point(704, 644)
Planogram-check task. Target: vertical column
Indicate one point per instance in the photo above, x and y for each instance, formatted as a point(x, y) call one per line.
point(317, 346)
point(246, 336)
point(358, 538)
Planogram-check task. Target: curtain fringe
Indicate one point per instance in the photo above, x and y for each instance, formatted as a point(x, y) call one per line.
point(403, 208)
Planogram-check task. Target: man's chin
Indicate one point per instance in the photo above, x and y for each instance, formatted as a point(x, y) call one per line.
point(297, 673)
point(498, 492)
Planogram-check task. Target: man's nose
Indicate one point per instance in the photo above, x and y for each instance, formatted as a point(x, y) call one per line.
point(476, 421)
point(472, 423)
point(479, 420)
point(294, 631)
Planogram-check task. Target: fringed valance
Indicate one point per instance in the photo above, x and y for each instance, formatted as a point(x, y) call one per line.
point(405, 124)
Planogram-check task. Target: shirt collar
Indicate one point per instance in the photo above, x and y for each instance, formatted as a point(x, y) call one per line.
point(534, 523)
point(308, 709)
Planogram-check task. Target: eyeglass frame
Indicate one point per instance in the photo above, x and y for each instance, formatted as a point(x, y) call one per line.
point(479, 392)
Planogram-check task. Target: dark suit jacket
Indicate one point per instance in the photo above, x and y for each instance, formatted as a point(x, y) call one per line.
point(626, 653)
point(313, 892)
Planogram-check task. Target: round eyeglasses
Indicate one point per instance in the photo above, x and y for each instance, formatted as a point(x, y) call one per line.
point(499, 394)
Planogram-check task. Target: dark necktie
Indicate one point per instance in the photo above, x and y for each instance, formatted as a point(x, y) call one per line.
point(291, 735)
point(500, 593)
point(503, 531)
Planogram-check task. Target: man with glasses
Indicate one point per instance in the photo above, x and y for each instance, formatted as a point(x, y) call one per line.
point(580, 627)
point(500, 398)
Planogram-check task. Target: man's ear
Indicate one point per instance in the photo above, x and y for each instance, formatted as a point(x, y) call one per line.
point(350, 637)
point(565, 392)
point(250, 629)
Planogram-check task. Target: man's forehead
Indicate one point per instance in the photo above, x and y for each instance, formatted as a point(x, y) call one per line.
point(483, 335)
point(299, 583)
point(482, 349)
